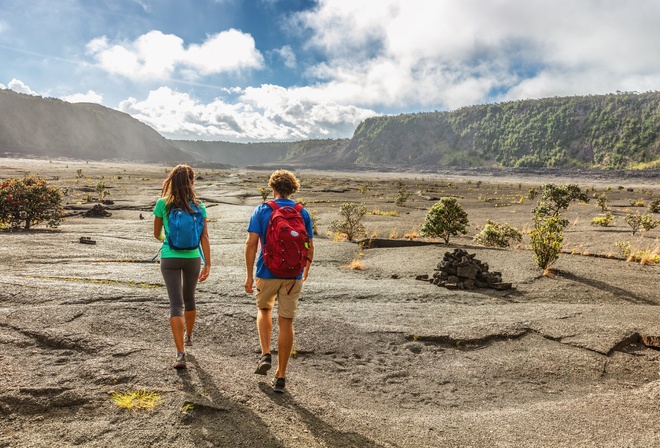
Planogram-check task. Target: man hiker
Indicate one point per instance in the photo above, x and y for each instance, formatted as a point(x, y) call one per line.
point(281, 270)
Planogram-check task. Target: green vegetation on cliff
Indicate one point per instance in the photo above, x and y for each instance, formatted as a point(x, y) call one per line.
point(615, 131)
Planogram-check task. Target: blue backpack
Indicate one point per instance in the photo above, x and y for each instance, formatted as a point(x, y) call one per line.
point(185, 229)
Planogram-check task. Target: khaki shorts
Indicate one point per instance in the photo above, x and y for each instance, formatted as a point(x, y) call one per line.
point(285, 291)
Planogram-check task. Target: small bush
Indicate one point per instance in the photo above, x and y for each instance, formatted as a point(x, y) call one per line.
point(601, 201)
point(264, 192)
point(532, 193)
point(637, 203)
point(102, 190)
point(603, 221)
point(445, 219)
point(351, 222)
point(314, 215)
point(403, 194)
point(30, 201)
point(624, 248)
point(546, 240)
point(637, 221)
point(497, 235)
point(634, 220)
point(648, 223)
point(654, 206)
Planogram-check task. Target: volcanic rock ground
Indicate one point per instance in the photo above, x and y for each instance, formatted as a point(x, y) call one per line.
point(381, 359)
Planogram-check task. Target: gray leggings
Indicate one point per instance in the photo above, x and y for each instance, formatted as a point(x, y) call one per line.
point(180, 275)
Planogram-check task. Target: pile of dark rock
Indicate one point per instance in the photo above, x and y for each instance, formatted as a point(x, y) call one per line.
point(98, 211)
point(460, 270)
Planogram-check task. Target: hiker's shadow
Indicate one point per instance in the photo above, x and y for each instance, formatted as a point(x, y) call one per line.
point(324, 433)
point(216, 420)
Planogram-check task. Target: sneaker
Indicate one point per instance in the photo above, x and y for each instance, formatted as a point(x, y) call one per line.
point(187, 340)
point(263, 365)
point(278, 384)
point(180, 362)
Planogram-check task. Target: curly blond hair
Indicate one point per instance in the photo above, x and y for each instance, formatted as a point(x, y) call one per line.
point(284, 182)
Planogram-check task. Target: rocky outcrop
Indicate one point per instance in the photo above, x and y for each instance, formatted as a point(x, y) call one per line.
point(98, 211)
point(460, 270)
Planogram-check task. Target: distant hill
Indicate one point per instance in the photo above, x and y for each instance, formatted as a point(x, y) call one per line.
point(617, 131)
point(32, 125)
point(308, 153)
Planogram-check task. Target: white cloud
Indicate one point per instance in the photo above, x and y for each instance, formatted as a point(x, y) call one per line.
point(20, 87)
point(155, 55)
point(89, 97)
point(144, 5)
point(223, 52)
point(265, 113)
point(451, 53)
point(288, 56)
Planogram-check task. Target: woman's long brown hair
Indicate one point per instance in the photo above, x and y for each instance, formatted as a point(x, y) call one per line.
point(178, 188)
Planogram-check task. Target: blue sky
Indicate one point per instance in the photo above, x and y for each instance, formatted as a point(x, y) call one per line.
point(266, 70)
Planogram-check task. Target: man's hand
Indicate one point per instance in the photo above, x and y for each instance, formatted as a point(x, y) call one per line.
point(249, 282)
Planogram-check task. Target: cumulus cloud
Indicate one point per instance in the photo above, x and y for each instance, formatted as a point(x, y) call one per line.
point(89, 97)
point(156, 55)
point(287, 55)
point(19, 86)
point(265, 113)
point(447, 54)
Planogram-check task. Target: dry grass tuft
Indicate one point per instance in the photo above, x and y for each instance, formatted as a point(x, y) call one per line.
point(357, 265)
point(550, 273)
point(141, 400)
point(411, 234)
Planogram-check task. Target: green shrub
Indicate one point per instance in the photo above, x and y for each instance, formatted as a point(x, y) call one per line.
point(351, 222)
point(30, 201)
point(634, 220)
point(625, 249)
point(265, 192)
point(532, 193)
point(497, 235)
point(648, 223)
point(445, 219)
point(314, 215)
point(403, 194)
point(555, 198)
point(603, 221)
point(601, 201)
point(654, 206)
point(546, 240)
point(102, 190)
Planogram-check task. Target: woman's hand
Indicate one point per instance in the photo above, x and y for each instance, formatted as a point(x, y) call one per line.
point(204, 273)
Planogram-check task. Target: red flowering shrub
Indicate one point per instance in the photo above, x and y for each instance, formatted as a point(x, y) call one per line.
point(30, 201)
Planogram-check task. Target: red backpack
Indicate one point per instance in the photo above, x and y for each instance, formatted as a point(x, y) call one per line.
point(286, 247)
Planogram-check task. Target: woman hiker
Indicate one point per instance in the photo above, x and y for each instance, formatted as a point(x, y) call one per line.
point(181, 269)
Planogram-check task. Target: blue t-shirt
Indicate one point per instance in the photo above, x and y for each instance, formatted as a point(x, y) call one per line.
point(259, 224)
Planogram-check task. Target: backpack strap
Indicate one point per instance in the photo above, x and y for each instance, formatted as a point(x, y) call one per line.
point(273, 205)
